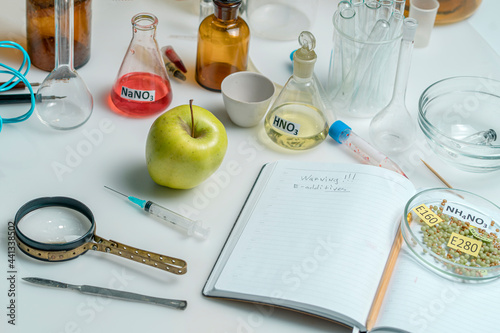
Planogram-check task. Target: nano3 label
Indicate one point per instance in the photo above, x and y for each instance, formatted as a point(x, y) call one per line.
point(138, 95)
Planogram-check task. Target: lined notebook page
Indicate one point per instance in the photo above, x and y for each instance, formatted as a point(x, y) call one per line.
point(318, 234)
point(420, 301)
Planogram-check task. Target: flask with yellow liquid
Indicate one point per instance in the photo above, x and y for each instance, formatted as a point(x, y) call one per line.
point(297, 120)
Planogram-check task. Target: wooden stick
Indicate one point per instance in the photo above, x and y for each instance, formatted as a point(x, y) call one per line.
point(384, 281)
point(437, 174)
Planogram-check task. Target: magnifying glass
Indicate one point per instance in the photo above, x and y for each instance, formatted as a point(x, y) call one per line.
point(61, 228)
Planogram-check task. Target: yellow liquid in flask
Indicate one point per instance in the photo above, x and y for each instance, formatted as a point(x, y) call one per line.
point(296, 126)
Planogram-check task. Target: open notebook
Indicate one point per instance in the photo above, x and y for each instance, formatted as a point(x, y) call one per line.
point(315, 238)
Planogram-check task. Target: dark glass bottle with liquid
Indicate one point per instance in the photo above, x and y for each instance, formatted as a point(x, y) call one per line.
point(223, 40)
point(40, 32)
point(451, 11)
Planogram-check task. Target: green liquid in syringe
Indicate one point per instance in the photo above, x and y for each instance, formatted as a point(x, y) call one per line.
point(296, 126)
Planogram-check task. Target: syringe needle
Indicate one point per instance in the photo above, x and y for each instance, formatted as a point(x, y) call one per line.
point(109, 188)
point(139, 202)
point(189, 226)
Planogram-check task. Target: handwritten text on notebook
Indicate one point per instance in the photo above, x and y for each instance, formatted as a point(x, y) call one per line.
point(325, 183)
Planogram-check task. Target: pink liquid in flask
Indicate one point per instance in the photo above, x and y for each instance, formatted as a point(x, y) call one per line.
point(141, 94)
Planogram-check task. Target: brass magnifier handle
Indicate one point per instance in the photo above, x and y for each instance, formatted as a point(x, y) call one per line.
point(169, 264)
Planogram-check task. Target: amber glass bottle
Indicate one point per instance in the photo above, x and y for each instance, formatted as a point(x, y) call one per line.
point(40, 32)
point(223, 40)
point(451, 11)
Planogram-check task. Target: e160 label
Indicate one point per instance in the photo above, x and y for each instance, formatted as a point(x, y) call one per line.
point(427, 215)
point(464, 244)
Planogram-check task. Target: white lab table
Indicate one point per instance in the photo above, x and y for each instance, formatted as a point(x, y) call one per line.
point(110, 150)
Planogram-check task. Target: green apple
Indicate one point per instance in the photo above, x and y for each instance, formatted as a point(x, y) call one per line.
point(182, 153)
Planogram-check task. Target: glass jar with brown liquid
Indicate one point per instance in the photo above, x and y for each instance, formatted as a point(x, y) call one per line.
point(451, 11)
point(223, 40)
point(40, 32)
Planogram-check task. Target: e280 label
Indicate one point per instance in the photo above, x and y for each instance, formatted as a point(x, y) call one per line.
point(465, 244)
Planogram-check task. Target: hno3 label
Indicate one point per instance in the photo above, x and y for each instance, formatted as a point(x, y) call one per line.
point(286, 126)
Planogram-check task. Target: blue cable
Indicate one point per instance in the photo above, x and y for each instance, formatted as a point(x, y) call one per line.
point(17, 75)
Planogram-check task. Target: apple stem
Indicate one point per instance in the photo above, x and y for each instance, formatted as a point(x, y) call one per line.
point(192, 117)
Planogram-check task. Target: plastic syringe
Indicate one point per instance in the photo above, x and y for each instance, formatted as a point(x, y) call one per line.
point(192, 228)
point(343, 134)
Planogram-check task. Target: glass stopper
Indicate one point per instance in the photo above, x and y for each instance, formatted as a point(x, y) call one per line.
point(307, 40)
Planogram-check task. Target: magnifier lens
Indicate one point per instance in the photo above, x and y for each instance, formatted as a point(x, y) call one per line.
point(54, 225)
